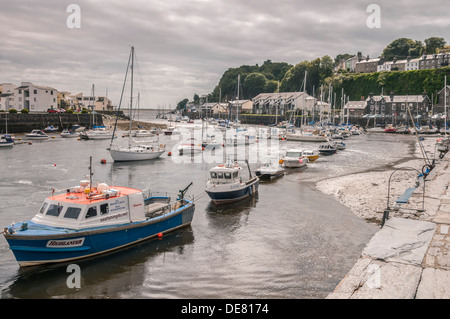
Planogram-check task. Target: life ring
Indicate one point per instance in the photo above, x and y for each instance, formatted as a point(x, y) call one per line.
point(220, 165)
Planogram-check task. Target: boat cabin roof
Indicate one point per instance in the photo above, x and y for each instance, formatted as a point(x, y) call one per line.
point(81, 195)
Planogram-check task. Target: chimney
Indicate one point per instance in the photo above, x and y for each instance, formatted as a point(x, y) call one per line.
point(391, 95)
point(359, 56)
point(408, 58)
point(394, 60)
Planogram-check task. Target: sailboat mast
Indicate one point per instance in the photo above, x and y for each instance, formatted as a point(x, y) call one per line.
point(131, 98)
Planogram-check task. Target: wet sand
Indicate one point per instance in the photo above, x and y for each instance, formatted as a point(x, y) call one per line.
point(366, 193)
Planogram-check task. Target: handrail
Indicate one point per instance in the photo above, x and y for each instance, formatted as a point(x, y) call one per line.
point(424, 174)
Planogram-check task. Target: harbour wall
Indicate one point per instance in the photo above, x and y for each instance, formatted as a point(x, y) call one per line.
point(25, 123)
point(258, 119)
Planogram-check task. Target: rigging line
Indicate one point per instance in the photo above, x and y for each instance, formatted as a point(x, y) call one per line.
point(425, 157)
point(120, 102)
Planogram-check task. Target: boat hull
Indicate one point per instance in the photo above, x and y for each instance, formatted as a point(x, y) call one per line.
point(125, 156)
point(233, 195)
point(45, 249)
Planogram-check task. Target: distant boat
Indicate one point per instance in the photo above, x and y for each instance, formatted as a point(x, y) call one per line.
point(36, 135)
point(339, 145)
point(294, 158)
point(390, 129)
point(51, 129)
point(191, 146)
point(98, 133)
point(169, 130)
point(68, 134)
point(226, 185)
point(306, 136)
point(6, 141)
point(311, 155)
point(327, 149)
point(270, 170)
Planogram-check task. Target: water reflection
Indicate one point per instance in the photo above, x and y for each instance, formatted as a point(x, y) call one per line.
point(114, 272)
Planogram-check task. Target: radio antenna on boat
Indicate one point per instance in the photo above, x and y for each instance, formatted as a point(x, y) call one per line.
point(90, 176)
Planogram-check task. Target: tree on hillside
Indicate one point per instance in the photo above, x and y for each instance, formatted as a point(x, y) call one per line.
point(433, 44)
point(343, 56)
point(254, 84)
point(317, 71)
point(182, 104)
point(402, 48)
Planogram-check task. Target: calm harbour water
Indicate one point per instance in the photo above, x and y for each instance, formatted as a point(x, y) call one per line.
point(291, 241)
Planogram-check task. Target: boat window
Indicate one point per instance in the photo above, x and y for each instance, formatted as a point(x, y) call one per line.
point(43, 208)
point(219, 175)
point(235, 174)
point(54, 210)
point(72, 212)
point(293, 154)
point(227, 175)
point(92, 212)
point(213, 175)
point(104, 209)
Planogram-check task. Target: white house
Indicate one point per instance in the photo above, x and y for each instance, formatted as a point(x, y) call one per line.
point(412, 64)
point(7, 100)
point(280, 103)
point(35, 98)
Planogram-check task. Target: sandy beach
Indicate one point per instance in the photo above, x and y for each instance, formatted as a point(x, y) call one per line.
point(366, 193)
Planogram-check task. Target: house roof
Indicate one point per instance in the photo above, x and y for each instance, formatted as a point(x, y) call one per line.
point(356, 104)
point(398, 98)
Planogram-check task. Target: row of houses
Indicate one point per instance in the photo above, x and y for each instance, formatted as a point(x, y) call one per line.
point(364, 64)
point(267, 103)
point(400, 106)
point(425, 62)
point(39, 98)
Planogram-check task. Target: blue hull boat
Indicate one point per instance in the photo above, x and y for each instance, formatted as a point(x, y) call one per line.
point(225, 184)
point(85, 222)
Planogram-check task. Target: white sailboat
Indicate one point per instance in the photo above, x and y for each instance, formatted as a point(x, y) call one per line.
point(140, 151)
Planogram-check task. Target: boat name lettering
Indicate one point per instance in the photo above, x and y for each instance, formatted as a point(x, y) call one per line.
point(137, 205)
point(113, 216)
point(117, 205)
point(76, 242)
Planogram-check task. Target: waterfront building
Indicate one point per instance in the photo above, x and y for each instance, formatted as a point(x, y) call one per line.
point(355, 108)
point(35, 98)
point(241, 106)
point(102, 103)
point(280, 103)
point(397, 106)
point(7, 100)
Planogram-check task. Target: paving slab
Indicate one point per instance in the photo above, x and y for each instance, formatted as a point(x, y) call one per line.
point(401, 240)
point(375, 279)
point(435, 284)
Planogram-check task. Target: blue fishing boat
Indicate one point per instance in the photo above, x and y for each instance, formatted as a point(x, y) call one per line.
point(6, 141)
point(226, 185)
point(86, 221)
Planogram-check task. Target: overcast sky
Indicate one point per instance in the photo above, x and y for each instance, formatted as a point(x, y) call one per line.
point(184, 46)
